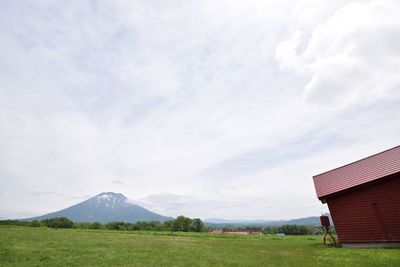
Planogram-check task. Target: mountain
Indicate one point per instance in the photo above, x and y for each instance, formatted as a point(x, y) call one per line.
point(104, 208)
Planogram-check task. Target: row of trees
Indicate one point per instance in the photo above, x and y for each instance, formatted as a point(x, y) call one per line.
point(286, 229)
point(59, 222)
point(181, 223)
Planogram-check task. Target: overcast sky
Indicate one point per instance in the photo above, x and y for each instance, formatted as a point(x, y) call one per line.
point(203, 108)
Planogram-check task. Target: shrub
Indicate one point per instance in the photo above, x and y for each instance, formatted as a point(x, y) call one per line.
point(35, 223)
point(58, 222)
point(96, 225)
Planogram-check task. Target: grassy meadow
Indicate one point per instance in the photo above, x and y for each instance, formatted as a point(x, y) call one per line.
point(29, 246)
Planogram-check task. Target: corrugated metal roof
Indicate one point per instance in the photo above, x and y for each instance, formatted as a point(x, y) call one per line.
point(360, 172)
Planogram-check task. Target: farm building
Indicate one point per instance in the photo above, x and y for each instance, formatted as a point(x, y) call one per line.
point(363, 198)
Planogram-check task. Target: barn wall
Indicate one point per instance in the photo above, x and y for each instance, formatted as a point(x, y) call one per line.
point(369, 214)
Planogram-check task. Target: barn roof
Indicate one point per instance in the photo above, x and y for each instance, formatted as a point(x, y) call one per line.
point(357, 173)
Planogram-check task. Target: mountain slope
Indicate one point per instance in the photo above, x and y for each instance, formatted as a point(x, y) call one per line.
point(105, 207)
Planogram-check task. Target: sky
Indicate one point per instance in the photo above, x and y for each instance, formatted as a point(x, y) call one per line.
point(210, 109)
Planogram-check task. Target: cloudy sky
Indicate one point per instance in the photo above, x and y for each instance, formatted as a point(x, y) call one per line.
point(204, 108)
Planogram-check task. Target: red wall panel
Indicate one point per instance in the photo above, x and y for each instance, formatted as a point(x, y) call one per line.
point(368, 214)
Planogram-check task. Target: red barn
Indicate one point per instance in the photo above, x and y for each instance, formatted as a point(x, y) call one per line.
point(363, 198)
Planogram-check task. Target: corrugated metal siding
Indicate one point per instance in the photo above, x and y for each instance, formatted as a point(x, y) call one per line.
point(357, 173)
point(370, 214)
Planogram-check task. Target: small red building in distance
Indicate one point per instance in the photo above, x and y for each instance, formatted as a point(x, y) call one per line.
point(363, 198)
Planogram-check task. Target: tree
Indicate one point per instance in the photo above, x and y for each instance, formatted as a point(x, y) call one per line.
point(182, 223)
point(168, 225)
point(116, 226)
point(58, 222)
point(96, 225)
point(197, 225)
point(35, 223)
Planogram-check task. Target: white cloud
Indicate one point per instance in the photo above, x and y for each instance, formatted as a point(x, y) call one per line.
point(201, 100)
point(352, 56)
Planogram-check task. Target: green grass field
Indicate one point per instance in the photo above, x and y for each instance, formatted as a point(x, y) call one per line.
point(27, 246)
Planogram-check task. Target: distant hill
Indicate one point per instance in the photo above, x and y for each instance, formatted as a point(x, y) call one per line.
point(221, 223)
point(104, 208)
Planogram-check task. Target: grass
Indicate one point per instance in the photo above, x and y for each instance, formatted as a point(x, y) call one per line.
point(27, 246)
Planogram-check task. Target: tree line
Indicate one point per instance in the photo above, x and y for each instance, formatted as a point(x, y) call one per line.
point(181, 223)
point(285, 229)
